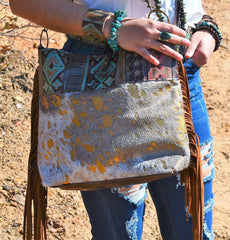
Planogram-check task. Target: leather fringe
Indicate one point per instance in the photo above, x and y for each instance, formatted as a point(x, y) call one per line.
point(192, 176)
point(36, 197)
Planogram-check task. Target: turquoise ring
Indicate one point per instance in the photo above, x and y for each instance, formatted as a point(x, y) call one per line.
point(164, 36)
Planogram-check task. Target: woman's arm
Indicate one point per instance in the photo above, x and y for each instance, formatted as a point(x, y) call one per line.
point(137, 35)
point(201, 47)
point(58, 15)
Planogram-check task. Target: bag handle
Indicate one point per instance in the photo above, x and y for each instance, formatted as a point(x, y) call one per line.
point(44, 31)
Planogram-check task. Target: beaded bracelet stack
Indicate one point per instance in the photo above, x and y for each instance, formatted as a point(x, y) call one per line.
point(208, 24)
point(112, 40)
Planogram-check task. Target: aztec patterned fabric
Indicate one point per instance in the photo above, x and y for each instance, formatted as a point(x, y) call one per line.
point(131, 124)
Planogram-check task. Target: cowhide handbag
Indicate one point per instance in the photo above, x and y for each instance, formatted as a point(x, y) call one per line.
point(106, 120)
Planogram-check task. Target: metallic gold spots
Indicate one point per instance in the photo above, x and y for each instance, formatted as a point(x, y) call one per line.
point(43, 144)
point(66, 179)
point(49, 125)
point(106, 109)
point(63, 141)
point(155, 94)
point(49, 153)
point(58, 165)
point(92, 168)
point(98, 103)
point(76, 121)
point(50, 143)
point(66, 134)
point(133, 91)
point(74, 101)
point(83, 114)
point(46, 157)
point(58, 102)
point(164, 164)
point(111, 132)
point(107, 121)
point(160, 121)
point(89, 148)
point(77, 141)
point(168, 87)
point(120, 94)
point(60, 112)
point(143, 93)
point(119, 112)
point(181, 124)
point(117, 149)
point(150, 148)
point(153, 144)
point(100, 167)
point(116, 159)
point(45, 102)
point(73, 154)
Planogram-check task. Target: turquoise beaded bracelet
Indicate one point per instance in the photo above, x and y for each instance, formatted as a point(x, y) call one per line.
point(112, 40)
point(212, 29)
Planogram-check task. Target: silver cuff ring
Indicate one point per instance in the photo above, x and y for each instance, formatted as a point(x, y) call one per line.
point(164, 36)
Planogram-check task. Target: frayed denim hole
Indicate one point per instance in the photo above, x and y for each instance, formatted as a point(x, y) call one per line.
point(211, 176)
point(207, 233)
point(208, 205)
point(135, 196)
point(131, 226)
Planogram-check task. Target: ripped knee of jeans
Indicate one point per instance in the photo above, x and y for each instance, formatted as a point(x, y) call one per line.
point(208, 168)
point(135, 194)
point(208, 171)
point(131, 226)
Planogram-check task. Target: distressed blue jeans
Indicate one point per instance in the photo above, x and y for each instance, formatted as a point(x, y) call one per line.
point(117, 214)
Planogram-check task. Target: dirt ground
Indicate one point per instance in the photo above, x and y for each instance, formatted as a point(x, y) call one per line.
point(67, 216)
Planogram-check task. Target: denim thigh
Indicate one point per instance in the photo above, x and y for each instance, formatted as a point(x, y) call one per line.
point(117, 213)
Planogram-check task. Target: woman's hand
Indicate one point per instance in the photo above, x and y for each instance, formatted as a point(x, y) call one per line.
point(201, 47)
point(140, 34)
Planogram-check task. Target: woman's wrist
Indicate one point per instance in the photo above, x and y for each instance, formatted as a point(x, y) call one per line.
point(116, 24)
point(93, 25)
point(209, 25)
point(107, 25)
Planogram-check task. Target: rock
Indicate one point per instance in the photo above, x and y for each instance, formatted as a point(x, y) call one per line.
point(19, 199)
point(14, 204)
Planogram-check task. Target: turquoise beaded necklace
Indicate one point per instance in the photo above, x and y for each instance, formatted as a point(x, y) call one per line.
point(181, 15)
